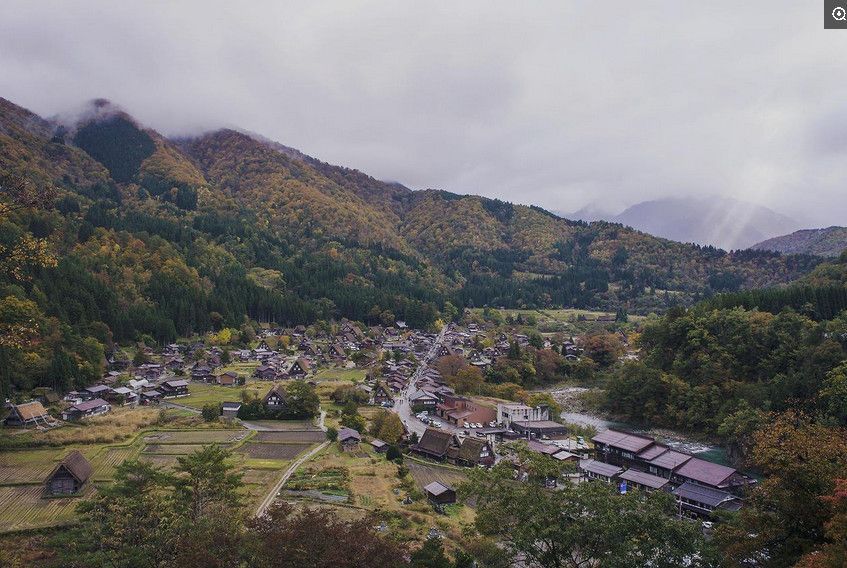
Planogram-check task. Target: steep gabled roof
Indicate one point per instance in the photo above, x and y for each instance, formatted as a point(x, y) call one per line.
point(30, 410)
point(435, 442)
point(348, 434)
point(471, 448)
point(277, 390)
point(76, 464)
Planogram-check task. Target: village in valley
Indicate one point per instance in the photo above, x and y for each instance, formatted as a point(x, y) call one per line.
point(383, 420)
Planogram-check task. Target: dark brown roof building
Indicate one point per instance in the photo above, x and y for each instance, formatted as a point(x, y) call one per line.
point(69, 476)
point(434, 443)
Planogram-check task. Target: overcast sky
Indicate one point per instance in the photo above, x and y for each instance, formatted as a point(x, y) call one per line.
point(560, 104)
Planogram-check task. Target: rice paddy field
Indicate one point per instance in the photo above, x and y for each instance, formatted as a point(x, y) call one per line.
point(273, 451)
point(260, 456)
point(22, 507)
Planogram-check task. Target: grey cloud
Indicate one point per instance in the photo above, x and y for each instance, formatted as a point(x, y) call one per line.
point(554, 103)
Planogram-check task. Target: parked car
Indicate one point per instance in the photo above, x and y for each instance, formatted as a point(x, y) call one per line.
point(436, 423)
point(492, 424)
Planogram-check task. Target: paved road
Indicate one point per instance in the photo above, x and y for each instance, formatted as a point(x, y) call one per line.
point(401, 405)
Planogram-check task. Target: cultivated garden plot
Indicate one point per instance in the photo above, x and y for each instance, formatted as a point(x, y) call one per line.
point(202, 437)
point(284, 425)
point(291, 437)
point(273, 451)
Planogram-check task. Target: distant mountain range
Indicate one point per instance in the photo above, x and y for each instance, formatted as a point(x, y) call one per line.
point(831, 241)
point(727, 223)
point(164, 236)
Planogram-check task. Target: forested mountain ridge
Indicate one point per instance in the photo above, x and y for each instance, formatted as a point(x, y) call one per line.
point(162, 238)
point(830, 241)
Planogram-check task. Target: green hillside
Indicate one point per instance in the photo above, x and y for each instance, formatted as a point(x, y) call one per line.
point(145, 236)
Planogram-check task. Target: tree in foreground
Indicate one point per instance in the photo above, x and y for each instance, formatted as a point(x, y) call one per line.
point(787, 515)
point(283, 538)
point(152, 518)
point(581, 526)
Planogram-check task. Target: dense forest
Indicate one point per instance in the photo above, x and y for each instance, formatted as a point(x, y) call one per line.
point(719, 366)
point(138, 237)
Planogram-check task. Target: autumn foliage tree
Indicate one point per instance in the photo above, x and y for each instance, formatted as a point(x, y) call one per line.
point(283, 538)
point(788, 513)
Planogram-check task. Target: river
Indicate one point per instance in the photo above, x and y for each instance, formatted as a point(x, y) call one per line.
point(670, 438)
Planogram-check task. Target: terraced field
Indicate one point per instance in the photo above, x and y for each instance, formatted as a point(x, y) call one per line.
point(260, 456)
point(291, 437)
point(106, 461)
point(197, 437)
point(425, 474)
point(30, 466)
point(22, 508)
point(273, 451)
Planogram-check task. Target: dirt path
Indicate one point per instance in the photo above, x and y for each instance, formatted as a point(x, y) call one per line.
point(269, 498)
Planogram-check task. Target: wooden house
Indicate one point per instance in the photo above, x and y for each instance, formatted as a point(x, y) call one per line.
point(474, 452)
point(698, 501)
point(423, 400)
point(440, 494)
point(86, 409)
point(173, 389)
point(265, 373)
point(381, 394)
point(349, 439)
point(151, 397)
point(230, 409)
point(69, 477)
point(434, 443)
point(379, 446)
point(597, 470)
point(122, 396)
point(230, 379)
point(30, 413)
point(275, 398)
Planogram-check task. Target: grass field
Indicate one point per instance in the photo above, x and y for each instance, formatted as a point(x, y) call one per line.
point(341, 375)
point(201, 394)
